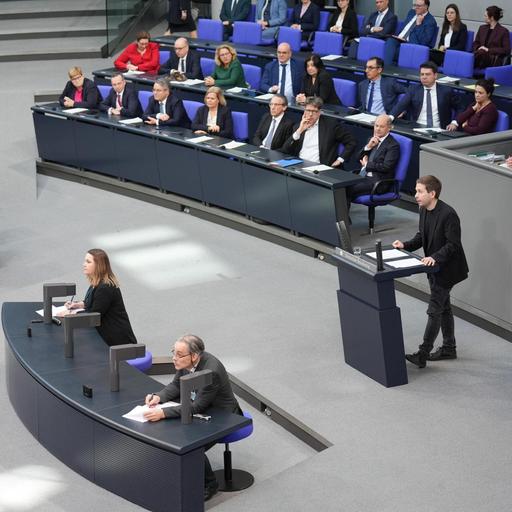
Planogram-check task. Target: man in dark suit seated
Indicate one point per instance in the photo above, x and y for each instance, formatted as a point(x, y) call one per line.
point(184, 60)
point(427, 103)
point(378, 94)
point(188, 356)
point(283, 75)
point(122, 100)
point(231, 11)
point(378, 159)
point(164, 109)
point(274, 128)
point(317, 138)
point(439, 235)
point(380, 23)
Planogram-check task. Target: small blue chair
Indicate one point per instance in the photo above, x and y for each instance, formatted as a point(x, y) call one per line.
point(370, 47)
point(503, 122)
point(191, 108)
point(246, 32)
point(412, 55)
point(328, 43)
point(104, 90)
point(291, 36)
point(207, 65)
point(164, 56)
point(346, 91)
point(324, 21)
point(375, 199)
point(144, 98)
point(230, 479)
point(240, 126)
point(458, 63)
point(252, 13)
point(360, 22)
point(502, 74)
point(469, 41)
point(142, 363)
point(252, 75)
point(210, 29)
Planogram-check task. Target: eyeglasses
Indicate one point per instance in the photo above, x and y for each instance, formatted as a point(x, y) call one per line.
point(276, 104)
point(178, 356)
point(73, 78)
point(311, 111)
point(372, 67)
point(225, 54)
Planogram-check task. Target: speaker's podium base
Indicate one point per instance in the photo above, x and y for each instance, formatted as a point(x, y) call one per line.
point(371, 325)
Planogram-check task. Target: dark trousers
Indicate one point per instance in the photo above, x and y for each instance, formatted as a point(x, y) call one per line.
point(440, 318)
point(391, 50)
point(209, 476)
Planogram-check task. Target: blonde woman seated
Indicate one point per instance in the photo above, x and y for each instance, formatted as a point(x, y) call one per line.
point(228, 70)
point(214, 117)
point(80, 92)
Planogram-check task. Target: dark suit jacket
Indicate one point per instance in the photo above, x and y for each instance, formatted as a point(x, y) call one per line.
point(218, 394)
point(458, 40)
point(330, 135)
point(323, 87)
point(173, 107)
point(310, 21)
point(498, 44)
point(271, 71)
point(224, 121)
point(90, 94)
point(192, 67)
point(384, 159)
point(388, 24)
point(349, 27)
point(281, 135)
point(412, 103)
point(424, 33)
point(239, 13)
point(115, 328)
point(389, 90)
point(445, 246)
point(479, 122)
point(130, 102)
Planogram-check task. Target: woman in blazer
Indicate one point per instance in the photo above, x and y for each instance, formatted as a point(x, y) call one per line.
point(214, 117)
point(228, 71)
point(306, 18)
point(317, 82)
point(142, 55)
point(454, 34)
point(79, 92)
point(104, 296)
point(344, 21)
point(492, 41)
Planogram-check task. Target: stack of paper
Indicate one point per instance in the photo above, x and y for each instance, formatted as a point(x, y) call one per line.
point(137, 413)
point(317, 168)
point(362, 117)
point(76, 110)
point(233, 144)
point(197, 140)
point(133, 120)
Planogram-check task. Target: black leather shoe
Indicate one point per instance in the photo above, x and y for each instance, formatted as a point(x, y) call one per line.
point(441, 353)
point(210, 491)
point(418, 358)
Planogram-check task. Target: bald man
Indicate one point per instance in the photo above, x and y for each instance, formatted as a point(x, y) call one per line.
point(184, 60)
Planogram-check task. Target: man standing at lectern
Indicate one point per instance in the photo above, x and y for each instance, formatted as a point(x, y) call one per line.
point(439, 235)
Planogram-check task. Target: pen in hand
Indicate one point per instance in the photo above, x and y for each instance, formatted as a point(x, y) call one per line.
point(70, 302)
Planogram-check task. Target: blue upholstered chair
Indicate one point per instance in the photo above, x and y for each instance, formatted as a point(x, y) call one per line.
point(191, 108)
point(234, 479)
point(370, 47)
point(210, 29)
point(502, 74)
point(246, 32)
point(291, 36)
point(240, 125)
point(164, 56)
point(324, 21)
point(328, 43)
point(469, 41)
point(252, 75)
point(375, 199)
point(144, 98)
point(142, 363)
point(432, 43)
point(503, 122)
point(207, 65)
point(289, 14)
point(360, 21)
point(346, 91)
point(458, 63)
point(412, 55)
point(104, 90)
point(252, 13)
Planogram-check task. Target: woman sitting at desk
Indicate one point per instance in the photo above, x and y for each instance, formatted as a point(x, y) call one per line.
point(104, 296)
point(228, 70)
point(454, 35)
point(317, 82)
point(306, 18)
point(344, 21)
point(492, 41)
point(140, 56)
point(214, 117)
point(480, 117)
point(80, 92)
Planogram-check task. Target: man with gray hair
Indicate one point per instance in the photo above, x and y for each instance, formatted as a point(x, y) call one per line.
point(189, 356)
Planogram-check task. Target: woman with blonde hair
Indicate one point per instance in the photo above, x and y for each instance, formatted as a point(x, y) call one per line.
point(228, 70)
point(215, 116)
point(80, 92)
point(104, 296)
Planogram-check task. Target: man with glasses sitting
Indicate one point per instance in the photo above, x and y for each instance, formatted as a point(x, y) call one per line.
point(79, 92)
point(164, 109)
point(184, 60)
point(189, 356)
point(275, 128)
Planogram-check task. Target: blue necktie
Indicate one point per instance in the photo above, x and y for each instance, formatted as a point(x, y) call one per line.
point(162, 108)
point(370, 97)
point(430, 117)
point(283, 79)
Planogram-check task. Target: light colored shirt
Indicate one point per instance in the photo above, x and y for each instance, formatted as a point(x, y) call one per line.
point(339, 21)
point(212, 119)
point(160, 103)
point(448, 38)
point(377, 104)
point(310, 146)
point(407, 29)
point(422, 118)
point(380, 17)
point(288, 86)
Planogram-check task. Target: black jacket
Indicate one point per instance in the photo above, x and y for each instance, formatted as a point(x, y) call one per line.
point(115, 328)
point(224, 121)
point(384, 159)
point(281, 135)
point(349, 27)
point(444, 246)
point(130, 102)
point(173, 107)
point(90, 94)
point(323, 87)
point(192, 65)
point(459, 39)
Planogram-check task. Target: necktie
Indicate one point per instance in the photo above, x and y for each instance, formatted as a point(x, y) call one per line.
point(182, 65)
point(378, 21)
point(373, 153)
point(119, 104)
point(412, 24)
point(283, 79)
point(162, 108)
point(270, 135)
point(370, 97)
point(233, 5)
point(430, 117)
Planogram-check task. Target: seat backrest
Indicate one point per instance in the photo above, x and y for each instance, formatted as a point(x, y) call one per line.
point(502, 74)
point(210, 29)
point(252, 75)
point(164, 56)
point(370, 47)
point(144, 98)
point(432, 43)
point(291, 36)
point(346, 91)
point(503, 122)
point(246, 32)
point(405, 157)
point(240, 125)
point(360, 22)
point(252, 13)
point(289, 14)
point(458, 63)
point(324, 21)
point(328, 43)
point(469, 41)
point(104, 90)
point(191, 107)
point(399, 26)
point(207, 65)
point(412, 55)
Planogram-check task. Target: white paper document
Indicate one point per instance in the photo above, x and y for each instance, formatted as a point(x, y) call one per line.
point(408, 262)
point(137, 413)
point(448, 80)
point(428, 130)
point(197, 140)
point(235, 89)
point(234, 144)
point(60, 309)
point(267, 96)
point(331, 57)
point(75, 110)
point(193, 81)
point(320, 167)
point(388, 254)
point(133, 120)
point(134, 72)
point(362, 117)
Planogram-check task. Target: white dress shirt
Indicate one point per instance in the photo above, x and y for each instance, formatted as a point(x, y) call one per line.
point(310, 145)
point(422, 118)
point(405, 30)
point(159, 114)
point(379, 19)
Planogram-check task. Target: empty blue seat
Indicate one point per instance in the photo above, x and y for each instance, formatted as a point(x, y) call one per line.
point(324, 21)
point(370, 47)
point(346, 91)
point(104, 90)
point(210, 29)
point(291, 36)
point(207, 65)
point(469, 41)
point(412, 55)
point(458, 63)
point(164, 56)
point(328, 43)
point(252, 75)
point(191, 107)
point(142, 363)
point(503, 122)
point(144, 98)
point(246, 32)
point(240, 125)
point(502, 74)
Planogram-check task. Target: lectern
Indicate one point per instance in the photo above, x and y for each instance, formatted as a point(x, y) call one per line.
point(371, 325)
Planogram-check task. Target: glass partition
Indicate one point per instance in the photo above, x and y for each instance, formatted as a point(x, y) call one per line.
point(119, 13)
